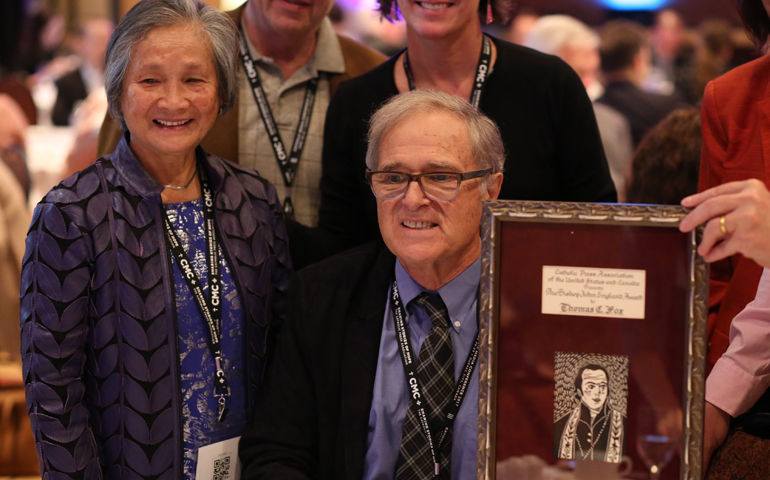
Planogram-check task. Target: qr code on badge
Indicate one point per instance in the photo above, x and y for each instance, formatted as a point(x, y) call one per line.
point(222, 469)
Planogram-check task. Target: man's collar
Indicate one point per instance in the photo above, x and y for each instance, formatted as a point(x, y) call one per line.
point(586, 412)
point(328, 53)
point(458, 295)
point(327, 56)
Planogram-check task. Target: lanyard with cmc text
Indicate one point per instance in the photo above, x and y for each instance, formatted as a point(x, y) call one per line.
point(482, 71)
point(211, 309)
point(290, 164)
point(415, 389)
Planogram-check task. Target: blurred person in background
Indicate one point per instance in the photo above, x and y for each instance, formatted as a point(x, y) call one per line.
point(90, 45)
point(14, 221)
point(572, 41)
point(666, 163)
point(291, 54)
point(553, 146)
point(578, 45)
point(520, 26)
point(713, 57)
point(154, 280)
point(43, 38)
point(13, 127)
point(672, 56)
point(625, 61)
point(735, 148)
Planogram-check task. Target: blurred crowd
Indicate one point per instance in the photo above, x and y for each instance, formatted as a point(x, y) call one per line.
point(635, 74)
point(644, 85)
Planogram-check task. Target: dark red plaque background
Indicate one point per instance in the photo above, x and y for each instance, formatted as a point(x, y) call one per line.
point(528, 340)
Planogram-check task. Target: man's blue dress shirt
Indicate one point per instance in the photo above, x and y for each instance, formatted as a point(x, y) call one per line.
point(391, 398)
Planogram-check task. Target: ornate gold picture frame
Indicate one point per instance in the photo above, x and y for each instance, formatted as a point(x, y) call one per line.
point(593, 342)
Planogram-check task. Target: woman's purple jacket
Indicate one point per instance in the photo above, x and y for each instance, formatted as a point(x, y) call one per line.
point(98, 330)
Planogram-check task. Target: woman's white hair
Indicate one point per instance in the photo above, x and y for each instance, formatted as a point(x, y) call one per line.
point(218, 29)
point(485, 140)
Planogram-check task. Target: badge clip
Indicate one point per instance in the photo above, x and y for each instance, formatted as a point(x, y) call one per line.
point(222, 408)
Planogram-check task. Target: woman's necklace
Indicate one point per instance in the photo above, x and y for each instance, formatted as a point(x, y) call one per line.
point(173, 187)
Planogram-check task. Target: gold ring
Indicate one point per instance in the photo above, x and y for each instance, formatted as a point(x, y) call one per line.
point(722, 224)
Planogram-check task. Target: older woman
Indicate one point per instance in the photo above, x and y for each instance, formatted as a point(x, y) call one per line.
point(552, 143)
point(154, 279)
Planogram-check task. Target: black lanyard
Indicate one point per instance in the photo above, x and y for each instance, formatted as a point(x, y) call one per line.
point(211, 308)
point(290, 164)
point(415, 389)
point(482, 71)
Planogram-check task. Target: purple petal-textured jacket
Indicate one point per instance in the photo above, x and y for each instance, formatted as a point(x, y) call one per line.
point(99, 340)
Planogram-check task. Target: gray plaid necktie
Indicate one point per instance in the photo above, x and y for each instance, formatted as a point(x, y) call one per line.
point(435, 372)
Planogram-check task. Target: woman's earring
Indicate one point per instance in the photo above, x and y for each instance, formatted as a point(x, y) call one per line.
point(490, 17)
point(221, 111)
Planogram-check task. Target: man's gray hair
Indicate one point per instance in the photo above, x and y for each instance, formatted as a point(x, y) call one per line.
point(485, 140)
point(218, 29)
point(551, 33)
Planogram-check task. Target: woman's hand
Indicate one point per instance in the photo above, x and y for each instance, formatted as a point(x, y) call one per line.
point(737, 217)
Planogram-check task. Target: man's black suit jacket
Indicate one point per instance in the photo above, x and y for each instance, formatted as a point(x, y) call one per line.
point(643, 109)
point(72, 89)
point(311, 416)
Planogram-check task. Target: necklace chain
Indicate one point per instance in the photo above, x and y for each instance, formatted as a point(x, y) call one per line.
point(593, 443)
point(174, 187)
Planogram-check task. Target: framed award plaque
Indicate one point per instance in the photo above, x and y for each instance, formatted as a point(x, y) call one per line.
point(593, 342)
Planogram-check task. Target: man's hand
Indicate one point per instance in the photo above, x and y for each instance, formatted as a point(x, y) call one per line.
point(737, 217)
point(717, 423)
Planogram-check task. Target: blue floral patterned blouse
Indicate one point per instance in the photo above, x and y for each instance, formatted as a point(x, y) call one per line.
point(199, 405)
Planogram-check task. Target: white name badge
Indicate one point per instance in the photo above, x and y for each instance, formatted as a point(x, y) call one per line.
point(219, 461)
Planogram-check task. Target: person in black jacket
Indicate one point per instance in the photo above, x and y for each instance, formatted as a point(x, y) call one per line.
point(75, 86)
point(336, 403)
point(553, 148)
point(625, 56)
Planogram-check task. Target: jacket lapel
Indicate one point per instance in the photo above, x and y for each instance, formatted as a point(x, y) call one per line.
point(363, 329)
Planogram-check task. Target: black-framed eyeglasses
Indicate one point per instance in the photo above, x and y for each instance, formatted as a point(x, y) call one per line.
point(442, 186)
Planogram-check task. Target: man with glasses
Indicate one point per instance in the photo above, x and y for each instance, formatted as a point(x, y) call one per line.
point(375, 371)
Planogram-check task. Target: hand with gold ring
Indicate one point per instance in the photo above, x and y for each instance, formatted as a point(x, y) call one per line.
point(737, 218)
